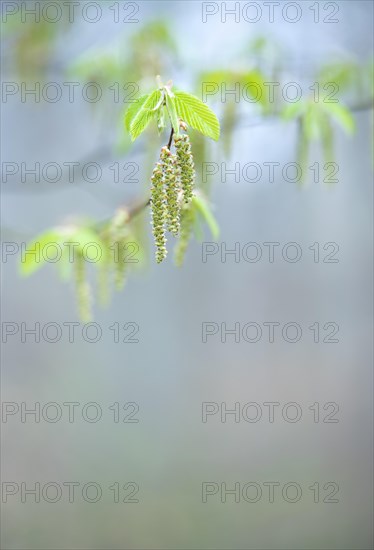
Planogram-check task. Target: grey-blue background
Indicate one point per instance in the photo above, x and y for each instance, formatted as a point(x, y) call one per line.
point(170, 372)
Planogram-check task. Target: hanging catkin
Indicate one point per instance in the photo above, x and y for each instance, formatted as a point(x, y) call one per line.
point(83, 289)
point(186, 165)
point(120, 268)
point(172, 184)
point(188, 215)
point(158, 205)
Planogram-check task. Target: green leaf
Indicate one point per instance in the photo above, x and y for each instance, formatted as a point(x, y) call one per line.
point(133, 109)
point(203, 207)
point(252, 82)
point(249, 81)
point(85, 236)
point(33, 258)
point(342, 115)
point(145, 113)
point(170, 106)
point(161, 125)
point(197, 114)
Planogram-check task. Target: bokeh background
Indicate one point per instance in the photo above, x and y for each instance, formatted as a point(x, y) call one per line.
point(169, 373)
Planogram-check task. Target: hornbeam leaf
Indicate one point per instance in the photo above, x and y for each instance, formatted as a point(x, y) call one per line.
point(197, 114)
point(145, 113)
point(133, 109)
point(33, 258)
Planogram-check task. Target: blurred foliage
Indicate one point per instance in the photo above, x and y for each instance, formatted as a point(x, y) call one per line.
point(233, 83)
point(112, 248)
point(131, 64)
point(32, 45)
point(315, 122)
point(125, 68)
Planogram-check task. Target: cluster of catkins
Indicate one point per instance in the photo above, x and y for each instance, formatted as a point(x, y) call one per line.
point(171, 191)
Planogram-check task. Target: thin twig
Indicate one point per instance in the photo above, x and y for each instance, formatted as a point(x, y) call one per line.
point(171, 138)
point(136, 209)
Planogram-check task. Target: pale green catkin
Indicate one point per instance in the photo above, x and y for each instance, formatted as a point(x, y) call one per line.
point(120, 266)
point(158, 205)
point(186, 165)
point(187, 222)
point(103, 283)
point(172, 185)
point(104, 270)
point(82, 289)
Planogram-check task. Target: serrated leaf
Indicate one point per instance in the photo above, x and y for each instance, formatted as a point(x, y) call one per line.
point(30, 261)
point(197, 114)
point(203, 207)
point(133, 109)
point(145, 114)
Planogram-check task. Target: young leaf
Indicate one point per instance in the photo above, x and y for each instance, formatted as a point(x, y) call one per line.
point(161, 125)
point(197, 114)
point(85, 236)
point(170, 106)
point(144, 114)
point(342, 115)
point(133, 109)
point(33, 257)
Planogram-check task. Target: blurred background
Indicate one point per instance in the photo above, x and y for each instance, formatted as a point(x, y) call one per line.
point(170, 372)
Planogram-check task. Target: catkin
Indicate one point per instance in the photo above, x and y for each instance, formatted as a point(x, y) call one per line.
point(186, 165)
point(187, 222)
point(172, 185)
point(158, 205)
point(82, 289)
point(103, 283)
point(120, 267)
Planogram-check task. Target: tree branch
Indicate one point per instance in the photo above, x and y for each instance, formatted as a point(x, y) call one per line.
point(136, 209)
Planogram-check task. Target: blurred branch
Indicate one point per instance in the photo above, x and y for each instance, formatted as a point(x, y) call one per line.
point(136, 209)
